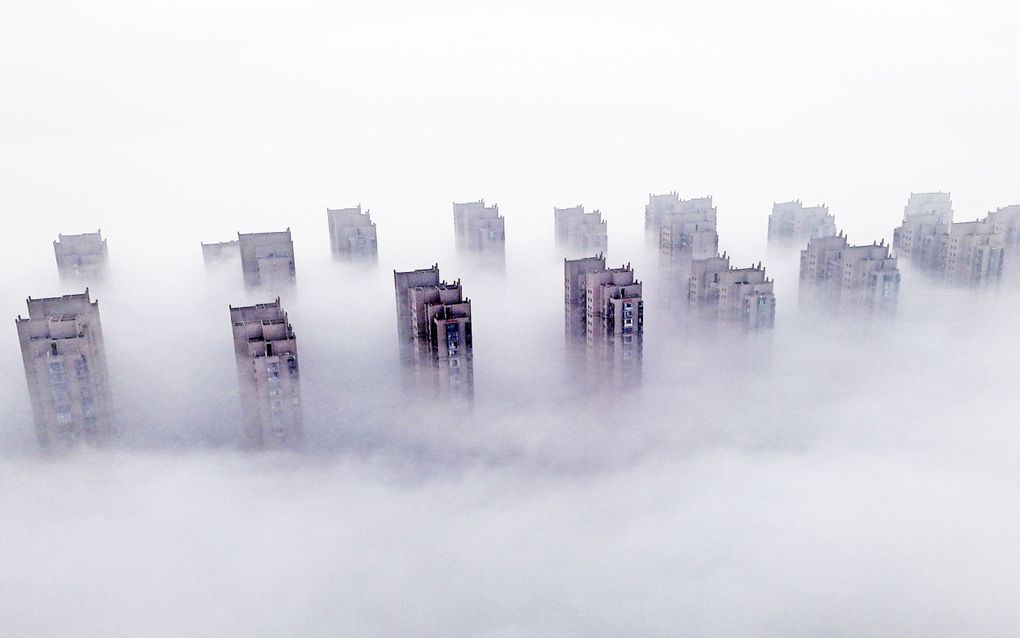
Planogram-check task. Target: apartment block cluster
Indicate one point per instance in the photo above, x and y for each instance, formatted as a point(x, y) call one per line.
point(699, 277)
point(834, 273)
point(604, 311)
point(969, 253)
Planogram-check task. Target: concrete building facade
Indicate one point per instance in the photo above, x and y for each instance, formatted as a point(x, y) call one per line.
point(849, 277)
point(575, 294)
point(1006, 226)
point(434, 330)
point(265, 350)
point(688, 231)
point(742, 296)
point(65, 366)
point(792, 222)
point(657, 206)
point(971, 254)
point(604, 310)
point(81, 256)
point(926, 216)
point(579, 231)
point(701, 284)
point(221, 253)
point(267, 259)
point(352, 233)
point(479, 228)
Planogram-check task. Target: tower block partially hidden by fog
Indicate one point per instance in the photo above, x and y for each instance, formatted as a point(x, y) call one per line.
point(221, 253)
point(267, 259)
point(434, 331)
point(1005, 223)
point(352, 234)
point(480, 230)
point(686, 233)
point(604, 310)
point(65, 366)
point(844, 277)
point(578, 231)
point(265, 348)
point(81, 256)
point(972, 253)
point(658, 205)
point(926, 217)
point(794, 223)
point(742, 296)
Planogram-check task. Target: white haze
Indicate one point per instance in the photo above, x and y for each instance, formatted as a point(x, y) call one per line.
point(822, 480)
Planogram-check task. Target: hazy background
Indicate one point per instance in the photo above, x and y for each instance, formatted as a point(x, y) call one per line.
point(823, 479)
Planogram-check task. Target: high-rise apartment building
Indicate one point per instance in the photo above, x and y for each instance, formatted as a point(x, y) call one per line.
point(972, 253)
point(657, 206)
point(575, 294)
point(579, 231)
point(795, 223)
point(479, 228)
point(604, 310)
point(701, 284)
point(688, 231)
point(850, 277)
point(1006, 226)
point(265, 349)
point(221, 252)
point(81, 256)
point(926, 216)
point(65, 366)
point(434, 330)
point(352, 233)
point(744, 296)
point(267, 259)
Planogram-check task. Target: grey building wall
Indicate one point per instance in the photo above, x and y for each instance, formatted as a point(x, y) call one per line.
point(81, 256)
point(352, 233)
point(613, 318)
point(925, 216)
point(745, 296)
point(65, 367)
point(846, 277)
point(435, 332)
point(792, 222)
point(580, 232)
point(267, 258)
point(221, 253)
point(479, 228)
point(265, 350)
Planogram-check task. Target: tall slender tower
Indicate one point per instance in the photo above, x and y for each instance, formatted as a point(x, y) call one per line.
point(575, 294)
point(65, 366)
point(434, 329)
point(265, 348)
point(604, 310)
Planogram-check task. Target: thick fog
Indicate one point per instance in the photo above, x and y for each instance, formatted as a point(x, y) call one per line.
point(833, 476)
